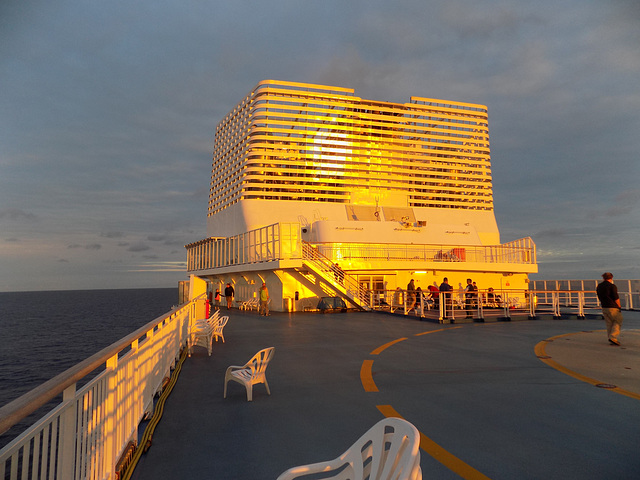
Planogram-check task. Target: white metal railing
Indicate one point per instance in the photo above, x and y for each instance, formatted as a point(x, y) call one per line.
point(628, 290)
point(521, 251)
point(282, 241)
point(483, 304)
point(84, 436)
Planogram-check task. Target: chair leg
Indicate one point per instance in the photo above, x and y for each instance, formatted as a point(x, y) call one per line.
point(249, 388)
point(267, 385)
point(226, 381)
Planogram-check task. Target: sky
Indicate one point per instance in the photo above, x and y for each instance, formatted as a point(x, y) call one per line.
point(108, 112)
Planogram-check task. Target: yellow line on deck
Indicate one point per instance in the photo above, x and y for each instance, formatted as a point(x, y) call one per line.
point(540, 352)
point(366, 377)
point(387, 345)
point(447, 459)
point(434, 331)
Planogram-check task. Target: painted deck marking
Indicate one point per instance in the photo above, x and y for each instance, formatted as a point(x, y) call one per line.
point(387, 345)
point(447, 459)
point(366, 377)
point(434, 331)
point(543, 357)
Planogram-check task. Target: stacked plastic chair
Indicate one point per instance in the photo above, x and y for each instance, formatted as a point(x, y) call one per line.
point(202, 332)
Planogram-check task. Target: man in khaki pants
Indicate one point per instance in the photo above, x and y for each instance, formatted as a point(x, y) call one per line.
point(610, 302)
point(264, 300)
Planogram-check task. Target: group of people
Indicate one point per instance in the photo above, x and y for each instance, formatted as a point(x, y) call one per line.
point(229, 294)
point(432, 297)
point(471, 296)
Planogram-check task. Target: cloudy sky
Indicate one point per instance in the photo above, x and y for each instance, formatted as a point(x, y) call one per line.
point(108, 111)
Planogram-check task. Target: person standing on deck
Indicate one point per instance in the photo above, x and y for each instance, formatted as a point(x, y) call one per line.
point(229, 292)
point(216, 299)
point(435, 295)
point(411, 296)
point(445, 288)
point(470, 297)
point(264, 300)
point(610, 303)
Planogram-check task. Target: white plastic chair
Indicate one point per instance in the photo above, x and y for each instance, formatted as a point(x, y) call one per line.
point(202, 333)
point(218, 327)
point(390, 450)
point(251, 373)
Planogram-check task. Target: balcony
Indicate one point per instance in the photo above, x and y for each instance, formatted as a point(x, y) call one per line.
point(279, 246)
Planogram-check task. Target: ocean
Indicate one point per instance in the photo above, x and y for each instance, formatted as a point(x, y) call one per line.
point(44, 333)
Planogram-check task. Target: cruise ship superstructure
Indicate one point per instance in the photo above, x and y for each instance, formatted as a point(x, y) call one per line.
point(320, 193)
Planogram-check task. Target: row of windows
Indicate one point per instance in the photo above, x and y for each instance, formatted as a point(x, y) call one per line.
point(327, 133)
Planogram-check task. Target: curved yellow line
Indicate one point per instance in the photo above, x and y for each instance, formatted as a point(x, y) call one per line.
point(447, 459)
point(434, 331)
point(387, 345)
point(366, 377)
point(540, 352)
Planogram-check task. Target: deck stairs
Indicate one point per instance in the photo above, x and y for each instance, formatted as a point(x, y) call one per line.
point(319, 271)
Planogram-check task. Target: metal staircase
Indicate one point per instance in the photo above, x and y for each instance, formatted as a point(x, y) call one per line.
point(334, 280)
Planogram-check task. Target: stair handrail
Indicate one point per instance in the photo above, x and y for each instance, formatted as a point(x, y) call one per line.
point(341, 280)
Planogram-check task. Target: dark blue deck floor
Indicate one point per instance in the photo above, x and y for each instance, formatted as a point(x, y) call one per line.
point(479, 391)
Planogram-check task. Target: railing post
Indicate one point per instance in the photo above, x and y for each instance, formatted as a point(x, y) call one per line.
point(110, 419)
point(68, 428)
point(532, 304)
point(556, 304)
point(405, 301)
point(580, 304)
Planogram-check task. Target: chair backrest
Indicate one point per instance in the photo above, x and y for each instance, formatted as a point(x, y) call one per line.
point(258, 364)
point(220, 323)
point(389, 450)
point(214, 317)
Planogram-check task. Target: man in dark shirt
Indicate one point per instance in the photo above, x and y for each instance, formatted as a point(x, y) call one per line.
point(610, 303)
point(446, 288)
point(229, 292)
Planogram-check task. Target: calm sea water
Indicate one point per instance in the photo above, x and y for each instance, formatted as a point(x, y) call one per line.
point(44, 333)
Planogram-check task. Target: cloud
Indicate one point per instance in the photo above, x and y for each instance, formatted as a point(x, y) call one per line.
point(91, 246)
point(17, 214)
point(139, 247)
point(624, 203)
point(112, 234)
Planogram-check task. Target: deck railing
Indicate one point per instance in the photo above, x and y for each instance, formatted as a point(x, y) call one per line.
point(280, 241)
point(283, 241)
point(628, 290)
point(484, 304)
point(84, 436)
point(521, 251)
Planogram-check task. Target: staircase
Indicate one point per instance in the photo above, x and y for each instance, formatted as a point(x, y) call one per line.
point(335, 282)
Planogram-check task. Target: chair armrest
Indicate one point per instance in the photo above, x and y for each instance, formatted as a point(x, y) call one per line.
point(311, 468)
point(236, 367)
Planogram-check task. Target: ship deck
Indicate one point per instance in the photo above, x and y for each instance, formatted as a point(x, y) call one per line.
point(484, 397)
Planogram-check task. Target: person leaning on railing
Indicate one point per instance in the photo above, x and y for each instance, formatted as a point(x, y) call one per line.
point(611, 309)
